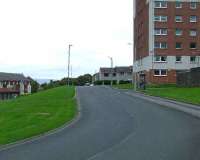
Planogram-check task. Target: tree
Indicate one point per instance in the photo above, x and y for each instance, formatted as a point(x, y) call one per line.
point(82, 80)
point(34, 85)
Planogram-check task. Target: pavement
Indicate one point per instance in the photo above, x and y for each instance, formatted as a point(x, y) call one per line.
point(115, 125)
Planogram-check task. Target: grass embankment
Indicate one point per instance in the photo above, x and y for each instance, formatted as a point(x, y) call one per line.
point(188, 95)
point(35, 114)
point(124, 86)
point(171, 91)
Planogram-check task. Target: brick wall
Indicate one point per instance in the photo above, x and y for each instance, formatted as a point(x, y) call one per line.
point(169, 79)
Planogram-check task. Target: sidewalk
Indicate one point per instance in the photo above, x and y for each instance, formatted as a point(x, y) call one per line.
point(184, 107)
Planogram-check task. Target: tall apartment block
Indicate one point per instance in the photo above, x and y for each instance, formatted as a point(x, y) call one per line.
point(166, 38)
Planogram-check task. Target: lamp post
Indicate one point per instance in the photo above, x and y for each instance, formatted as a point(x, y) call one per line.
point(69, 54)
point(111, 63)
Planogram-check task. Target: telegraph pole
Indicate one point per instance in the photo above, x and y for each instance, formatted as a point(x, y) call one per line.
point(69, 54)
point(111, 63)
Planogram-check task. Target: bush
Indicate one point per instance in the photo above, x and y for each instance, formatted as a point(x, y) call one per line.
point(124, 82)
point(98, 82)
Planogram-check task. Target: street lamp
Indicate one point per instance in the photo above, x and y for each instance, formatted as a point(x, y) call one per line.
point(69, 54)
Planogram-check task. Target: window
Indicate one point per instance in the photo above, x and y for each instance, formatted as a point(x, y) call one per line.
point(193, 45)
point(114, 74)
point(193, 5)
point(122, 73)
point(179, 19)
point(160, 4)
point(178, 4)
point(193, 18)
point(160, 72)
point(193, 59)
point(178, 45)
point(179, 32)
point(160, 31)
point(160, 18)
point(160, 58)
point(193, 32)
point(106, 74)
point(178, 58)
point(160, 45)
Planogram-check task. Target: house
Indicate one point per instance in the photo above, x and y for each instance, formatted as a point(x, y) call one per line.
point(118, 74)
point(166, 39)
point(12, 85)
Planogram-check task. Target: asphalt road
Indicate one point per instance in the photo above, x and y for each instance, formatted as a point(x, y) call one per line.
point(115, 126)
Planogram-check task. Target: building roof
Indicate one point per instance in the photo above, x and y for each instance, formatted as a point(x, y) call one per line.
point(12, 77)
point(8, 90)
point(107, 70)
point(126, 69)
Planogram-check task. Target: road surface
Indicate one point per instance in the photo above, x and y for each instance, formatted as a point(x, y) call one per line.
point(116, 126)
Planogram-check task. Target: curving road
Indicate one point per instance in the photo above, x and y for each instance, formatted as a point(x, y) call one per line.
point(115, 126)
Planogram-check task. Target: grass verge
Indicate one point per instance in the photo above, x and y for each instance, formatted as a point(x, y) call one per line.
point(35, 114)
point(188, 95)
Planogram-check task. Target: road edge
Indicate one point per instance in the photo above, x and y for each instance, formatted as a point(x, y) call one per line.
point(191, 109)
point(48, 133)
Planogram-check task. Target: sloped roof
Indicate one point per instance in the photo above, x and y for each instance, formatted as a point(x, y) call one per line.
point(107, 70)
point(126, 69)
point(12, 77)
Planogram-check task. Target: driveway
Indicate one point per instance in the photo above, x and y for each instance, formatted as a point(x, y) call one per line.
point(116, 126)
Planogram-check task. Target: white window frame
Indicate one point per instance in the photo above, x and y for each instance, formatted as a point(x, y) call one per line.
point(181, 32)
point(192, 20)
point(195, 45)
point(160, 18)
point(180, 59)
point(161, 2)
point(161, 32)
point(181, 45)
point(181, 5)
point(195, 60)
point(161, 45)
point(193, 31)
point(180, 20)
point(160, 73)
point(191, 5)
point(160, 59)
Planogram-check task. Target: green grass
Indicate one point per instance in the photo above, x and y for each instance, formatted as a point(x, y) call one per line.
point(124, 86)
point(189, 95)
point(35, 114)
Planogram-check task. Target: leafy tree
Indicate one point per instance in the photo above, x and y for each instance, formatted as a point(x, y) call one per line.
point(34, 85)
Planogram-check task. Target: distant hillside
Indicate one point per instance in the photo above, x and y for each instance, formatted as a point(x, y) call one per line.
point(41, 81)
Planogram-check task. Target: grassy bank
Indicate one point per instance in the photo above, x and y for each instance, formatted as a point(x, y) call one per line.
point(31, 115)
point(171, 91)
point(124, 86)
point(189, 95)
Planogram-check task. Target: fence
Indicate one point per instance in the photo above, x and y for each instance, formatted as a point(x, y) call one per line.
point(189, 78)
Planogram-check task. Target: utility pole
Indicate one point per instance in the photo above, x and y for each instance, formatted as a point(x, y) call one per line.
point(134, 69)
point(134, 74)
point(71, 75)
point(111, 63)
point(69, 54)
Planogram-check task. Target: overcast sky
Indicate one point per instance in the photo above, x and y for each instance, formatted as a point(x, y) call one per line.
point(34, 35)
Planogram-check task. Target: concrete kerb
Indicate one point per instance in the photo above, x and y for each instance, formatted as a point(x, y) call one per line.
point(49, 133)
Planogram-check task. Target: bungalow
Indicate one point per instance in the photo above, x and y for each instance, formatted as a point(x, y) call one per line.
point(13, 85)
